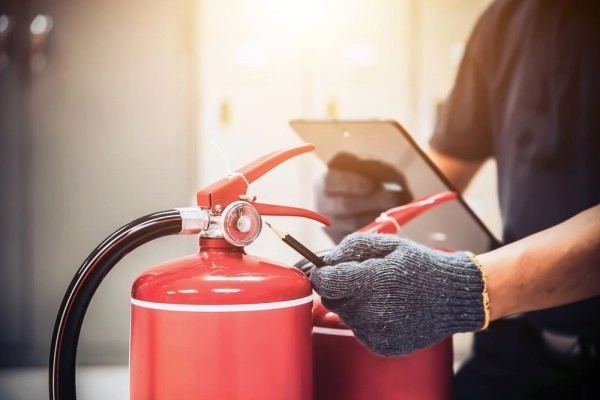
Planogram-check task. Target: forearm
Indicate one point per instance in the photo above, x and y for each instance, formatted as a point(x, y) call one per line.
point(458, 172)
point(554, 267)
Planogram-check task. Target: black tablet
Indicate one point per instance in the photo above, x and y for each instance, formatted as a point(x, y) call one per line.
point(451, 225)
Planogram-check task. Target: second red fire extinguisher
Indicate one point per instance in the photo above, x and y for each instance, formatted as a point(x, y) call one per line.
point(344, 369)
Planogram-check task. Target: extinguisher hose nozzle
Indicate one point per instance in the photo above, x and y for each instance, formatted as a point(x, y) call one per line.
point(63, 351)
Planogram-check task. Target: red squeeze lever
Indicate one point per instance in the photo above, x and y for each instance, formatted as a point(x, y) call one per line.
point(392, 220)
point(233, 187)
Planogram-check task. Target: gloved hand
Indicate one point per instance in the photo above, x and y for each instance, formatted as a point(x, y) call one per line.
point(398, 296)
point(354, 191)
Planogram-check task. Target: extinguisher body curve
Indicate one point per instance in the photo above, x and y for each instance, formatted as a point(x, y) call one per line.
point(221, 324)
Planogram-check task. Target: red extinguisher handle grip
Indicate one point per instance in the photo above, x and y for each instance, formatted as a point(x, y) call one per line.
point(392, 220)
point(264, 164)
point(271, 209)
point(229, 189)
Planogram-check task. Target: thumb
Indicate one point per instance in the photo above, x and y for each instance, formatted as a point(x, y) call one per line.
point(339, 281)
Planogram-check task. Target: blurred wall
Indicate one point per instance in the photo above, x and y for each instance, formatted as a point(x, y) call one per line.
point(110, 136)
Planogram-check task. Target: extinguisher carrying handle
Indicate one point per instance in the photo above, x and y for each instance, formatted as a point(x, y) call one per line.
point(233, 187)
point(65, 338)
point(391, 221)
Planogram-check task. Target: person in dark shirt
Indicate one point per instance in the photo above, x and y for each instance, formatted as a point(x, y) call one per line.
point(527, 94)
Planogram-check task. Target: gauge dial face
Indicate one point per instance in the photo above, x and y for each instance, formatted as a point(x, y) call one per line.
point(240, 223)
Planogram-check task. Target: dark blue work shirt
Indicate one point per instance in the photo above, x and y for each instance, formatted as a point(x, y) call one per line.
point(527, 93)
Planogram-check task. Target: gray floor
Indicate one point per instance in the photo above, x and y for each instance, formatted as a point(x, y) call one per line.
point(112, 383)
point(93, 383)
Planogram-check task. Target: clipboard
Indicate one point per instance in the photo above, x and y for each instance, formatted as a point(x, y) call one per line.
point(453, 225)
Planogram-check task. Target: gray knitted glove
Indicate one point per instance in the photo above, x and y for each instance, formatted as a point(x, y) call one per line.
point(398, 296)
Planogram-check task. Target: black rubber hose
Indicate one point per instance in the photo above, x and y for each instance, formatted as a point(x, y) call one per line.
point(63, 351)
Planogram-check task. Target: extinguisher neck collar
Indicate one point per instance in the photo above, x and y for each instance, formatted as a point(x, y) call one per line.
point(218, 243)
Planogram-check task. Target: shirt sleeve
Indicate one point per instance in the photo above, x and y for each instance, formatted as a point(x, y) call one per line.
point(463, 127)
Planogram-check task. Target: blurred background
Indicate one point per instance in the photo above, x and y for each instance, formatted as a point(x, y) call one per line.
point(110, 110)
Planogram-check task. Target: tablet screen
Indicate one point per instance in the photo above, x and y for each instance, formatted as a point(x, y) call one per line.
point(451, 225)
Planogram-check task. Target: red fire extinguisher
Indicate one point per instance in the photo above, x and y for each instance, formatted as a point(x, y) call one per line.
point(219, 324)
point(344, 369)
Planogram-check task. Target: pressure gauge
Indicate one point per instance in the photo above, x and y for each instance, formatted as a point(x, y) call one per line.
point(240, 223)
